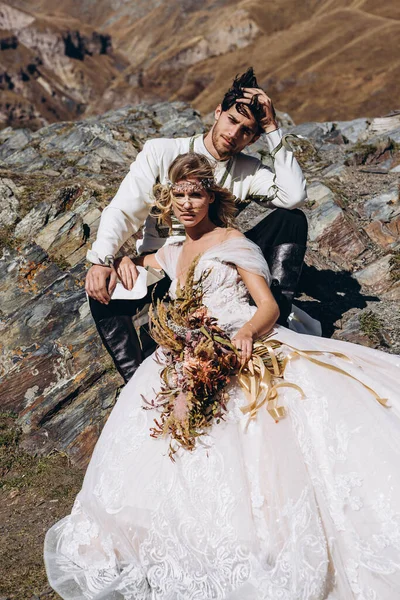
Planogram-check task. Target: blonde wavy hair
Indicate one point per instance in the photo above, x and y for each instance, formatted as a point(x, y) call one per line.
point(195, 166)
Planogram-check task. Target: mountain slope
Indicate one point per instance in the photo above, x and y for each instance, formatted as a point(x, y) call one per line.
point(51, 69)
point(319, 60)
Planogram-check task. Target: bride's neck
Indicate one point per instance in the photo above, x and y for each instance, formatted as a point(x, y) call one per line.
point(193, 234)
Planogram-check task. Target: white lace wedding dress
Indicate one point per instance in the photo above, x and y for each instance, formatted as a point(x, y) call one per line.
point(306, 509)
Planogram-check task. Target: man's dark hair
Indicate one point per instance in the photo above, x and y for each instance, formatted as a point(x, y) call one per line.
point(246, 80)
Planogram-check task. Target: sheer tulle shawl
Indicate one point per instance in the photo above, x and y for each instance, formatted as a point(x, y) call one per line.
point(238, 251)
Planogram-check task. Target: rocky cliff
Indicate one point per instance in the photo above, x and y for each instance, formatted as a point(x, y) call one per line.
point(53, 185)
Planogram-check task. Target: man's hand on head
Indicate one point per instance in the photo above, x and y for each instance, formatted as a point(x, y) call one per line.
point(268, 123)
point(96, 283)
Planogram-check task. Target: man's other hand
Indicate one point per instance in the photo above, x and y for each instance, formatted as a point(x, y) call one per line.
point(96, 283)
point(268, 123)
point(126, 271)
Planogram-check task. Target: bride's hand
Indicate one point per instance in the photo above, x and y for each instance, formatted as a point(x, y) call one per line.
point(126, 271)
point(243, 340)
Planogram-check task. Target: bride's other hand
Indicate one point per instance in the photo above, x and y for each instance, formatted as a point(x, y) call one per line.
point(126, 271)
point(243, 341)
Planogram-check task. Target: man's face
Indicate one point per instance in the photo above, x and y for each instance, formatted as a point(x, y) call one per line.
point(232, 131)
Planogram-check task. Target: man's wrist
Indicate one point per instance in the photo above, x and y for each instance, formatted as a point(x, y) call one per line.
point(103, 266)
point(271, 127)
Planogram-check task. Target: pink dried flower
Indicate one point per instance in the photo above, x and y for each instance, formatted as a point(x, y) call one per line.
point(200, 313)
point(181, 408)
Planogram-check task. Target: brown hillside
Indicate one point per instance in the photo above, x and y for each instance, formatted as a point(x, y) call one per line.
point(318, 60)
point(51, 68)
point(347, 65)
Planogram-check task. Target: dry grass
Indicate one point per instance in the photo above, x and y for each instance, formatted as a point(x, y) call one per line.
point(35, 492)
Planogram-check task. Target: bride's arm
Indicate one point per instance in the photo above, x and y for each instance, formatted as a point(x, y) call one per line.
point(263, 319)
point(127, 271)
point(147, 260)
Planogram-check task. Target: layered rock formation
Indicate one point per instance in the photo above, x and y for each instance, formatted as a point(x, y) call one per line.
point(53, 185)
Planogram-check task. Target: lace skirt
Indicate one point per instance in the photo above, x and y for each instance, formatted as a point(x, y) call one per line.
point(306, 509)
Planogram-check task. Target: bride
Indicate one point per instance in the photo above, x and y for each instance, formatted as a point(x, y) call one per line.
point(304, 509)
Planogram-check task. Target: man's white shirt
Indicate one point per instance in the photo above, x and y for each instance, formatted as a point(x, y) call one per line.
point(247, 177)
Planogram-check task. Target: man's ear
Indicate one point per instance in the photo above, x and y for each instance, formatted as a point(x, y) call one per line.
point(217, 112)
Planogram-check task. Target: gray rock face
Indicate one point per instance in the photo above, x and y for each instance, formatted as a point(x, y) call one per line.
point(384, 206)
point(66, 237)
point(336, 171)
point(314, 132)
point(330, 230)
point(395, 136)
point(8, 202)
point(51, 355)
point(324, 210)
point(15, 141)
point(377, 276)
point(98, 143)
point(353, 130)
point(54, 184)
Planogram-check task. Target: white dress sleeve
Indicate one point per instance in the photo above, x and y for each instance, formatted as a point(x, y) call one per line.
point(243, 253)
point(167, 257)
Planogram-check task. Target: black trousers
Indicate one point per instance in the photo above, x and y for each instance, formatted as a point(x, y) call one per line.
point(281, 228)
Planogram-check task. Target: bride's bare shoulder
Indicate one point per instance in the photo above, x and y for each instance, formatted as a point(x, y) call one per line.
point(232, 233)
point(225, 234)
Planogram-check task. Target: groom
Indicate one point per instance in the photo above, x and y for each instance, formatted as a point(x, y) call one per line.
point(244, 114)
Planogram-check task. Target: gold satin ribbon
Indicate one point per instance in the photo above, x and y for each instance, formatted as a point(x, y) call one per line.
point(258, 378)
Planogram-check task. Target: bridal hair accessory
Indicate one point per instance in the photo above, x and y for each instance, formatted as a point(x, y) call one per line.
point(199, 360)
point(199, 185)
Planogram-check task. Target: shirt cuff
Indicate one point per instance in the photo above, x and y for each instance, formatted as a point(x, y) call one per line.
point(273, 139)
point(94, 258)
